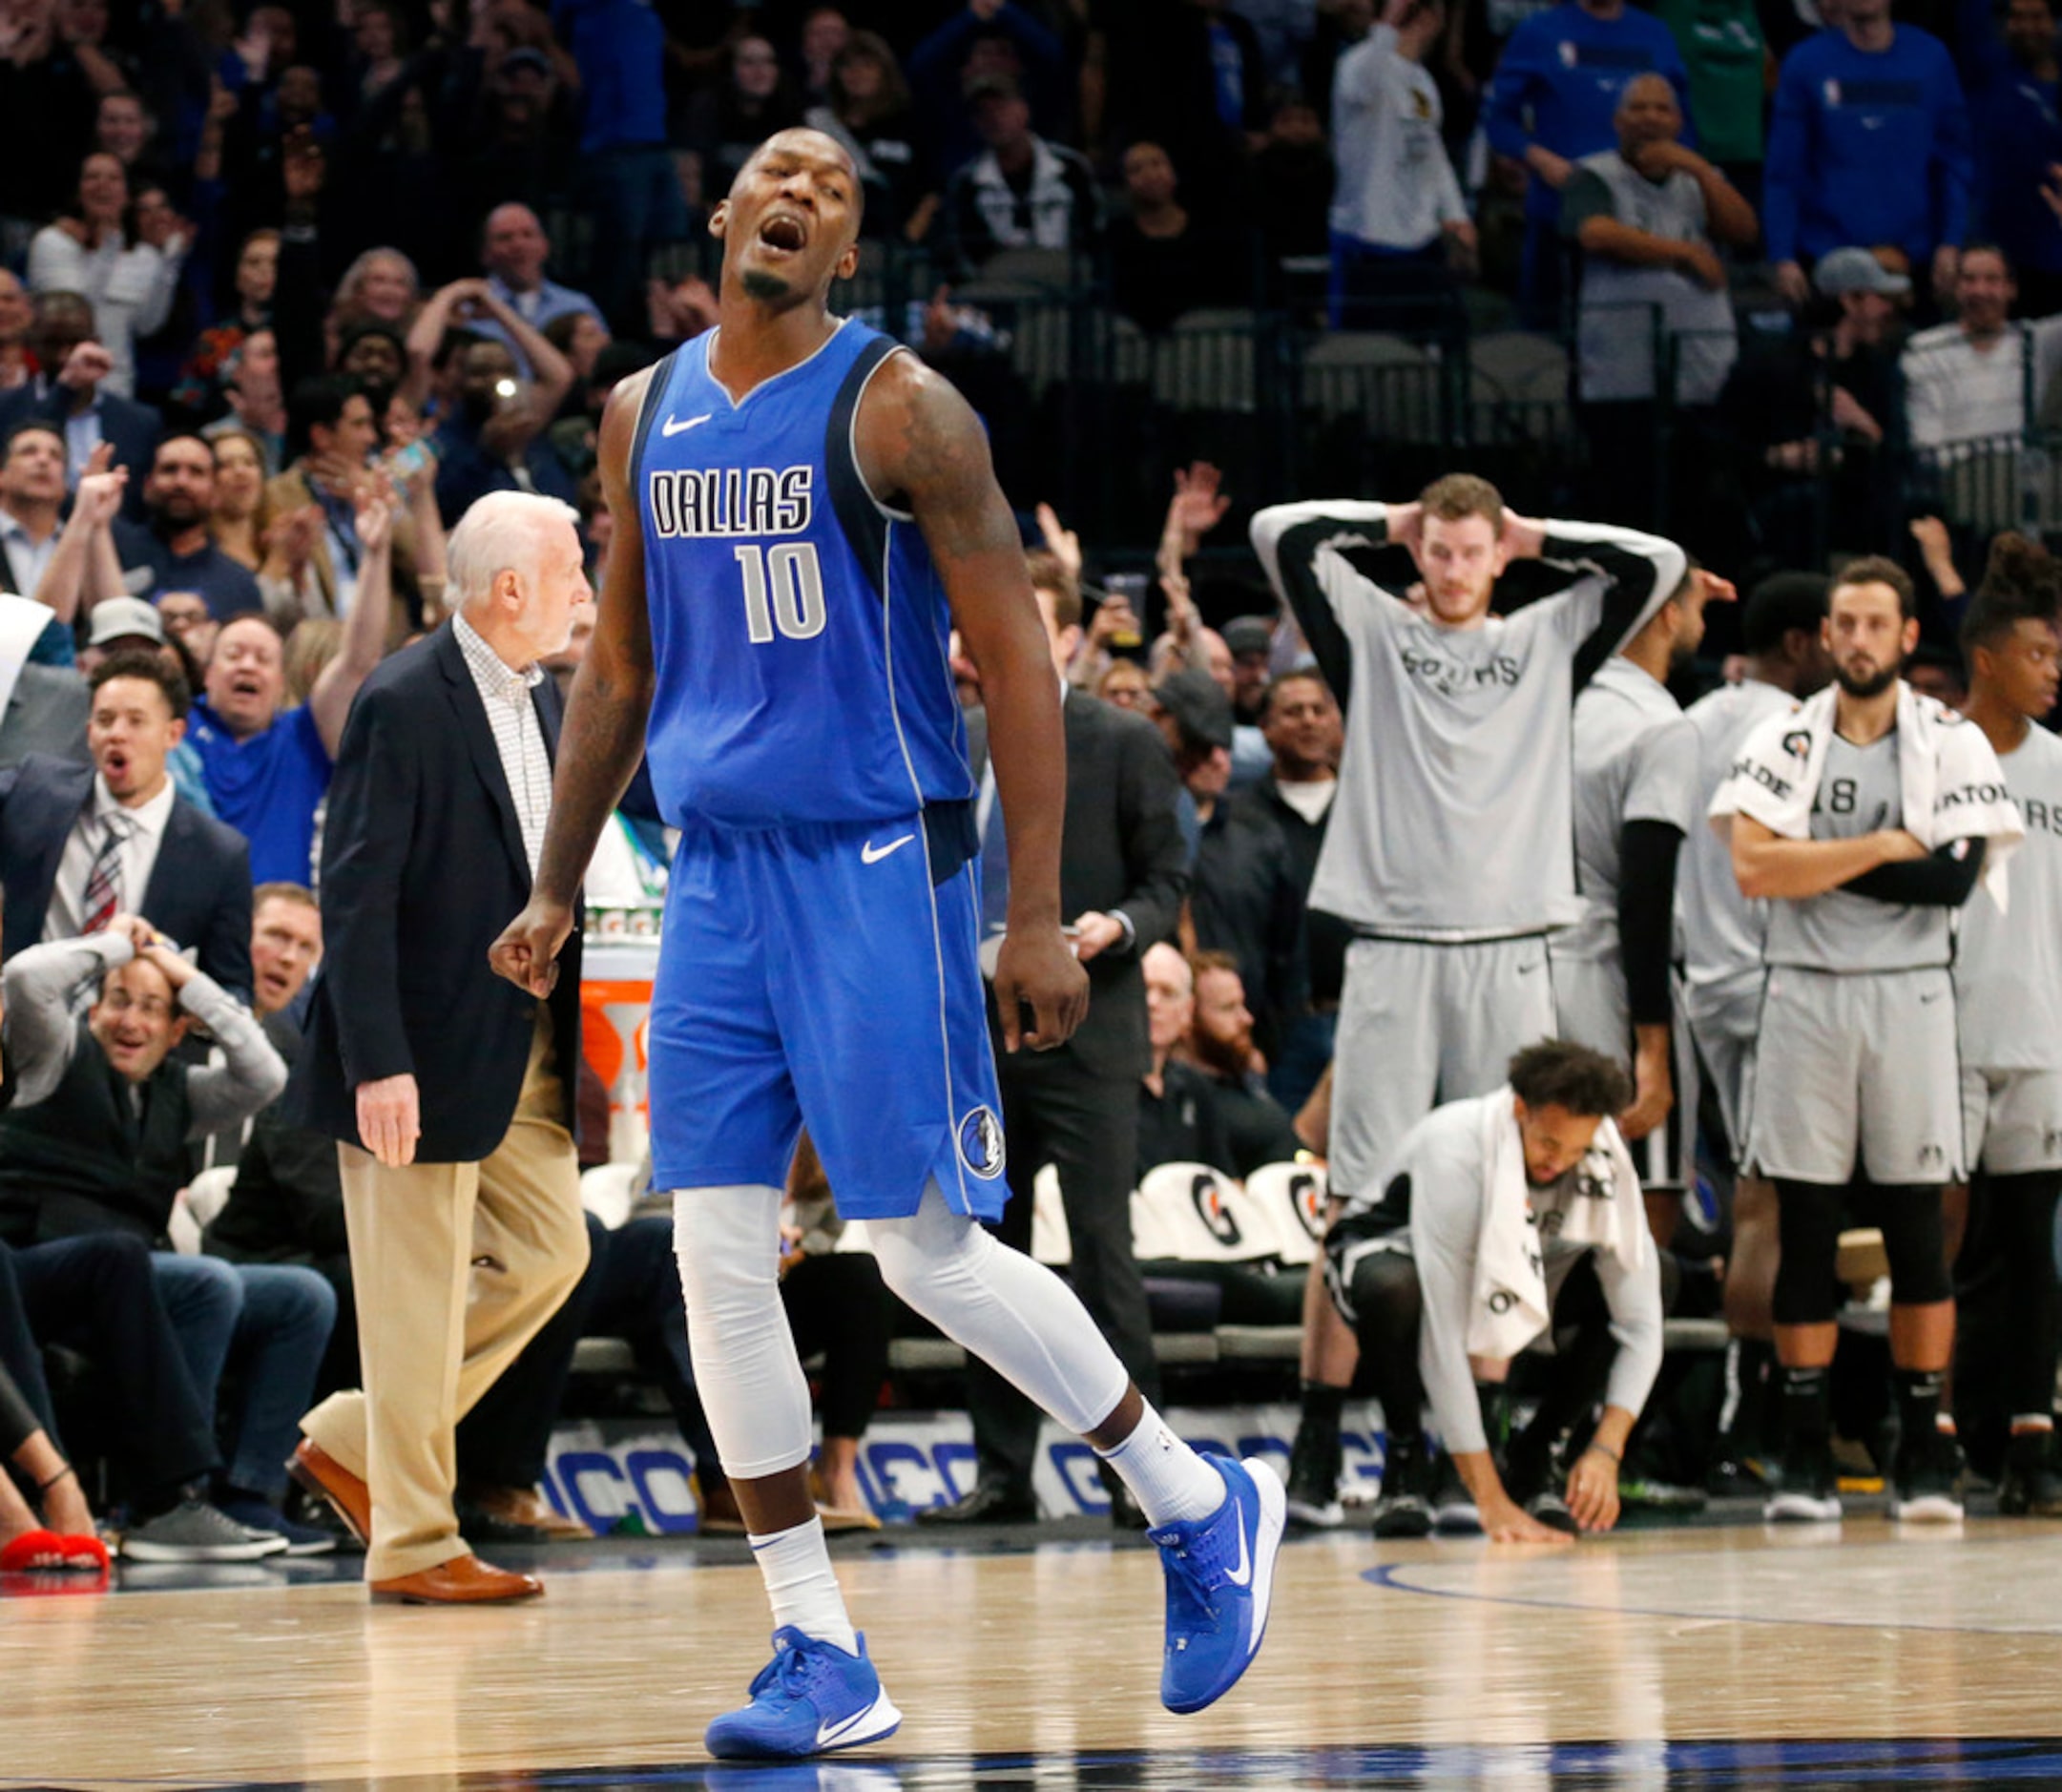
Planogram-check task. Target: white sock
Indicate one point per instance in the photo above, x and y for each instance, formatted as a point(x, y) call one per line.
point(1172, 1483)
point(795, 1564)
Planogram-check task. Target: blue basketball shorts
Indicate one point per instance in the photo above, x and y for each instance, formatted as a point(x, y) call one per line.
point(813, 974)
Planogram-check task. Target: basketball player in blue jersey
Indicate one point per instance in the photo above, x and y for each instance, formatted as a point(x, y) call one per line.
point(802, 513)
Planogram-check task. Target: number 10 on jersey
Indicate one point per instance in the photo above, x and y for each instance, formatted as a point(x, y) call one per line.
point(784, 590)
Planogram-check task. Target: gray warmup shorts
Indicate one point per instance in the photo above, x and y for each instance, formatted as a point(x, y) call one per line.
point(1419, 1025)
point(1863, 1067)
point(1723, 1017)
point(2012, 1120)
point(1591, 1010)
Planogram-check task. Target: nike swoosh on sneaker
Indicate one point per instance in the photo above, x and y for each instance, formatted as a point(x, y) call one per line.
point(1242, 1575)
point(870, 854)
point(671, 428)
point(828, 1733)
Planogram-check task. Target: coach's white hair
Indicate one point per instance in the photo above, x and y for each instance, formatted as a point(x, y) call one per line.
point(501, 533)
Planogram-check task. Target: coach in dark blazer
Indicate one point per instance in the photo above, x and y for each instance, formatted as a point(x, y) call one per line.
point(198, 890)
point(450, 1091)
point(1123, 873)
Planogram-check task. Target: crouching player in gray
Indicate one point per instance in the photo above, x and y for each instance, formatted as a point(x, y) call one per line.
point(1865, 815)
point(1503, 1217)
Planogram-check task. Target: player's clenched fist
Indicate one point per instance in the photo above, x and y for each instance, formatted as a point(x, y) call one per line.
point(1038, 970)
point(527, 952)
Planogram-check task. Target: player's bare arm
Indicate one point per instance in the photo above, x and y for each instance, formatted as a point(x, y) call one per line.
point(922, 448)
point(1768, 864)
point(603, 736)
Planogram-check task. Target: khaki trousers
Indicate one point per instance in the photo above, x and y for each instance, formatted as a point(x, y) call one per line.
point(455, 1265)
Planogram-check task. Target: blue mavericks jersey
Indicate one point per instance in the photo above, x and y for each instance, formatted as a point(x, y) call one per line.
point(799, 629)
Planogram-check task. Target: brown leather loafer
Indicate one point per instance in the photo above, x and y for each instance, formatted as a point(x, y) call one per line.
point(527, 1509)
point(314, 1469)
point(463, 1580)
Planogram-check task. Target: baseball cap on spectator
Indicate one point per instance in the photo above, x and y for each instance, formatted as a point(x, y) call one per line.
point(1857, 270)
point(124, 619)
point(1199, 706)
point(1249, 635)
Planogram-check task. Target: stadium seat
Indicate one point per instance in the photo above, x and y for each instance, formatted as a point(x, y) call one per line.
point(1206, 1218)
point(1206, 362)
point(1294, 1195)
point(1388, 382)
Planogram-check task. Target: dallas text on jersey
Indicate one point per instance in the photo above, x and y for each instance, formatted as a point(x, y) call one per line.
point(714, 501)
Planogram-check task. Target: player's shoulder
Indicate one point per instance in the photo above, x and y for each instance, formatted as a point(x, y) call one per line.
point(2042, 747)
point(1452, 1131)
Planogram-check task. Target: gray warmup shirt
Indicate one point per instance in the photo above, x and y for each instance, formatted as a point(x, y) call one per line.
point(1453, 819)
point(2008, 968)
point(1858, 792)
point(1722, 931)
point(1443, 1157)
point(1636, 761)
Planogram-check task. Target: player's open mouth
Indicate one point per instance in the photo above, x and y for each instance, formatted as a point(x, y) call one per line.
point(115, 766)
point(784, 232)
point(246, 684)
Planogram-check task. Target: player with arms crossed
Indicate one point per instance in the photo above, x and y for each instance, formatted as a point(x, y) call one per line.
point(2008, 993)
point(1448, 847)
point(1867, 815)
point(802, 514)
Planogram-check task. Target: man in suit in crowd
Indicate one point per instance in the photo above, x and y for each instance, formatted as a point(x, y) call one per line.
point(449, 1090)
point(68, 392)
point(1123, 871)
point(81, 844)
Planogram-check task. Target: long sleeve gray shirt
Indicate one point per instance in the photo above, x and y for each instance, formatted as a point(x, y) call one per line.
point(43, 987)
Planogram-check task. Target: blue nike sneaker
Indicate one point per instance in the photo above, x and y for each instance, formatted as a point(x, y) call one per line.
point(1220, 1574)
point(810, 1699)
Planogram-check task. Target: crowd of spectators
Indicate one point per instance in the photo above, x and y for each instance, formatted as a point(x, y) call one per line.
point(284, 289)
point(485, 214)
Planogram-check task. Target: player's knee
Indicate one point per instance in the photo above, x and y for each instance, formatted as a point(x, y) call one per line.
point(1914, 1240)
point(922, 1256)
point(1808, 1222)
point(726, 1243)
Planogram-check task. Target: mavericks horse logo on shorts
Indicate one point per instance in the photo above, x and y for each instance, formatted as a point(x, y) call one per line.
point(981, 1143)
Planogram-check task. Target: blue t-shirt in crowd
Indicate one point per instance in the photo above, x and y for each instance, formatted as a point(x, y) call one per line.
point(1867, 149)
point(225, 585)
point(267, 787)
point(620, 47)
point(1560, 80)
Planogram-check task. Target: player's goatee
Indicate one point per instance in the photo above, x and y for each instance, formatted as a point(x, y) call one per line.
point(1875, 684)
point(765, 286)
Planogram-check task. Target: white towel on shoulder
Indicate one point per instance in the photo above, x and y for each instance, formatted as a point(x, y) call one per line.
point(1951, 785)
point(1510, 1307)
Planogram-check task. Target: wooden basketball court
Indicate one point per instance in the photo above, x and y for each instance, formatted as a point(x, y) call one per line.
point(1705, 1656)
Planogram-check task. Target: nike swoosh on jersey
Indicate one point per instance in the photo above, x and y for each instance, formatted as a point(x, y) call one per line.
point(870, 854)
point(1242, 1575)
point(672, 428)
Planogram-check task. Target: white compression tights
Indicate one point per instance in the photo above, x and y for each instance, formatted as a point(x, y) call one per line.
point(1013, 1313)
